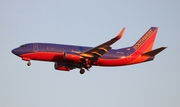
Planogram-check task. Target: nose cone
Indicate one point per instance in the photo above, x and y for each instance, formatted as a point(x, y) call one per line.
point(15, 51)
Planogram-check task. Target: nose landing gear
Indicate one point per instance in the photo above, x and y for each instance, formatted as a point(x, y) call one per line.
point(29, 63)
point(27, 59)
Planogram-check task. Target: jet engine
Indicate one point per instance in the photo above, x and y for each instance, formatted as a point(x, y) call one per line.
point(62, 66)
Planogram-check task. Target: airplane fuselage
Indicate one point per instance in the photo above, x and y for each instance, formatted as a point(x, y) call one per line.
point(57, 52)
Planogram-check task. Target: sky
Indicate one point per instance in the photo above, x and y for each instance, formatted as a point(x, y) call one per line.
point(89, 23)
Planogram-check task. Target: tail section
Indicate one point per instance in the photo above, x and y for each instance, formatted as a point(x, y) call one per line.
point(142, 49)
point(146, 42)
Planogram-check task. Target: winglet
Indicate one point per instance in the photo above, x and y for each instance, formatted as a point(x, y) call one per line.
point(120, 34)
point(154, 52)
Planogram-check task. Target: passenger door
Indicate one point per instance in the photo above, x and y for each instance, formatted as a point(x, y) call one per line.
point(35, 47)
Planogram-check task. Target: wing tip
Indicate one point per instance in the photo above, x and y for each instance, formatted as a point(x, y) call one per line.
point(164, 47)
point(121, 33)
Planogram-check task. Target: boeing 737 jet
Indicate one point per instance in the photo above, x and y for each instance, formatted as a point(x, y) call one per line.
point(68, 57)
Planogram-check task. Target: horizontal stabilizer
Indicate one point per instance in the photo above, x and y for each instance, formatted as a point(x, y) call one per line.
point(154, 52)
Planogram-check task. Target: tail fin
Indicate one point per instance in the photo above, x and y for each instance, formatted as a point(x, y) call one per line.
point(146, 42)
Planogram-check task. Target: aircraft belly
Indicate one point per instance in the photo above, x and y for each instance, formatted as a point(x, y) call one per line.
point(128, 60)
point(112, 62)
point(44, 56)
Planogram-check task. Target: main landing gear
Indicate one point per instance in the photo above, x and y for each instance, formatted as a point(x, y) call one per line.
point(82, 71)
point(86, 64)
point(29, 63)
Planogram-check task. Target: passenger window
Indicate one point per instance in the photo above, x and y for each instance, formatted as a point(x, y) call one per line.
point(121, 54)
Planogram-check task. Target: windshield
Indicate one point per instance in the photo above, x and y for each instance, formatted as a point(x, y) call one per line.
point(23, 46)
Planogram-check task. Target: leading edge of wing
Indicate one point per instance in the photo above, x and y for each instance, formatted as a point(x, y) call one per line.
point(98, 51)
point(113, 40)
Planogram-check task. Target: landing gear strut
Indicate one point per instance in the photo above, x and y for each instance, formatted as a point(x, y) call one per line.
point(29, 63)
point(82, 71)
point(87, 64)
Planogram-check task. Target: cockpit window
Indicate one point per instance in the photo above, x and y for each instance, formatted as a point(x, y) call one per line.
point(23, 46)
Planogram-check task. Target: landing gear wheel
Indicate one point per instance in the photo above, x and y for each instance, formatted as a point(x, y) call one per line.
point(29, 63)
point(82, 71)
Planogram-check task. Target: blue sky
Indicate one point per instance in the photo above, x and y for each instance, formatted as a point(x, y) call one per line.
point(89, 23)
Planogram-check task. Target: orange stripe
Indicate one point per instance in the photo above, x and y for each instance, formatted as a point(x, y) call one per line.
point(142, 58)
point(143, 50)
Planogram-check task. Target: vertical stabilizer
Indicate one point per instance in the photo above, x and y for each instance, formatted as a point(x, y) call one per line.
point(146, 42)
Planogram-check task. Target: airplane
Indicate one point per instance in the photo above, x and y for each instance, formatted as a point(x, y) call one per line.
point(68, 57)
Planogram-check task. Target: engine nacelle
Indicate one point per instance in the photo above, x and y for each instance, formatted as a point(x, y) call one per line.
point(62, 66)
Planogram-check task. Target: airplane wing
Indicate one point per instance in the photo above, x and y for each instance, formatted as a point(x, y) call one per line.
point(98, 51)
